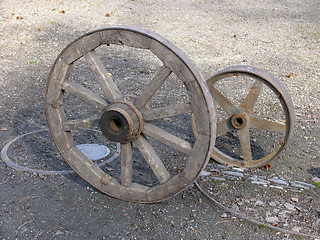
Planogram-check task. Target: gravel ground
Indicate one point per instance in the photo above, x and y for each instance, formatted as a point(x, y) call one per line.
point(279, 36)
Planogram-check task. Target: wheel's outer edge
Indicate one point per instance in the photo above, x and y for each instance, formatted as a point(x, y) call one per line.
point(180, 178)
point(276, 86)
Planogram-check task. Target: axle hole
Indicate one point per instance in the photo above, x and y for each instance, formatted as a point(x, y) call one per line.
point(115, 124)
point(239, 121)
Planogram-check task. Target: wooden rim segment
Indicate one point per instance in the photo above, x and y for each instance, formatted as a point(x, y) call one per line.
point(135, 117)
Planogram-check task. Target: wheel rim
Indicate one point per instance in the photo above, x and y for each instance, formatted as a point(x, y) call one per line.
point(130, 122)
point(251, 135)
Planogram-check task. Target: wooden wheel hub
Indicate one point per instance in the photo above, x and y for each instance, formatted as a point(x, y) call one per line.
point(239, 121)
point(121, 122)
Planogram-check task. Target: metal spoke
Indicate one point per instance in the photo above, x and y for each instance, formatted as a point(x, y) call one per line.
point(84, 94)
point(152, 87)
point(167, 138)
point(126, 164)
point(106, 82)
point(78, 124)
point(244, 138)
point(222, 127)
point(264, 124)
point(224, 102)
point(251, 99)
point(152, 159)
point(169, 111)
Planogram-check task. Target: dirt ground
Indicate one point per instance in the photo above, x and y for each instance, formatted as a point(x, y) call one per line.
point(282, 37)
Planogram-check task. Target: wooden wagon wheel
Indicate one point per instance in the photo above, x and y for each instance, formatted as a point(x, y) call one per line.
point(247, 122)
point(130, 122)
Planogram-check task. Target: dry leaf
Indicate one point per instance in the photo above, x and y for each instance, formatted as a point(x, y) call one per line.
point(267, 166)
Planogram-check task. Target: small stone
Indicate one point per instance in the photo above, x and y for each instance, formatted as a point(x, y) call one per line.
point(224, 215)
point(296, 229)
point(289, 206)
point(235, 208)
point(272, 204)
point(294, 199)
point(273, 220)
point(276, 210)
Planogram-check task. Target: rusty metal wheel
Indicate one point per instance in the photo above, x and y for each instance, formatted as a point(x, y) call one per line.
point(255, 116)
point(127, 120)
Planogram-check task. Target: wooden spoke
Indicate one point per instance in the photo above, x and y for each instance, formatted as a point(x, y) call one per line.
point(78, 124)
point(167, 138)
point(152, 159)
point(244, 138)
point(106, 82)
point(169, 111)
point(152, 87)
point(126, 164)
point(264, 124)
point(84, 94)
point(251, 99)
point(222, 127)
point(224, 102)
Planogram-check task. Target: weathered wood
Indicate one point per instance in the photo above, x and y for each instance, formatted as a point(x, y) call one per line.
point(124, 37)
point(200, 111)
point(126, 164)
point(84, 94)
point(135, 192)
point(80, 47)
point(224, 102)
point(168, 189)
point(82, 165)
point(222, 127)
point(164, 112)
point(172, 61)
point(167, 138)
point(194, 167)
point(251, 99)
point(264, 124)
point(152, 87)
point(59, 73)
point(244, 138)
point(106, 82)
point(152, 159)
point(62, 139)
point(78, 124)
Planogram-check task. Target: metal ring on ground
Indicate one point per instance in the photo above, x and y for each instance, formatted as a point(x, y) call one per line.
point(10, 163)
